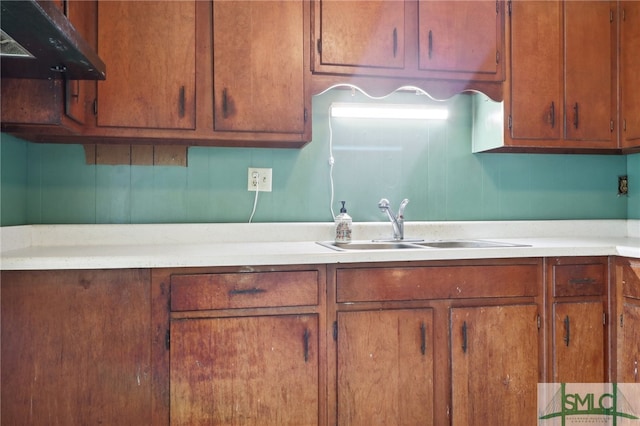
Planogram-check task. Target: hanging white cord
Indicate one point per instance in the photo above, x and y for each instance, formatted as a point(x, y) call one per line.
point(331, 163)
point(353, 88)
point(255, 200)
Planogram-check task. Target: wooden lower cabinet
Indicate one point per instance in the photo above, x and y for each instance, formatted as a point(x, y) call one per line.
point(245, 370)
point(76, 348)
point(578, 342)
point(460, 342)
point(626, 321)
point(246, 345)
point(435, 343)
point(385, 367)
point(494, 364)
point(577, 290)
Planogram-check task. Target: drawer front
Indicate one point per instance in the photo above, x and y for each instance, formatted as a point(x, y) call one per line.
point(631, 280)
point(243, 290)
point(579, 280)
point(416, 283)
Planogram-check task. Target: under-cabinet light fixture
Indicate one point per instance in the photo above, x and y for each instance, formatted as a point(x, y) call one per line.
point(381, 111)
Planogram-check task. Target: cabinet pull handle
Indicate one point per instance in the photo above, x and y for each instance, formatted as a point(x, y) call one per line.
point(552, 115)
point(430, 43)
point(567, 330)
point(464, 337)
point(635, 370)
point(576, 113)
point(76, 92)
point(582, 281)
point(423, 339)
point(395, 42)
point(305, 342)
point(181, 102)
point(225, 105)
point(255, 290)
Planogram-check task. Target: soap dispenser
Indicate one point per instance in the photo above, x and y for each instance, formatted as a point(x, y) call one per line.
point(343, 226)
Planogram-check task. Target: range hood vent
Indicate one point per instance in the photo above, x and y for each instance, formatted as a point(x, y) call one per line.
point(38, 41)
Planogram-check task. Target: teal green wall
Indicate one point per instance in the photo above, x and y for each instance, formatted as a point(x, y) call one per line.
point(429, 163)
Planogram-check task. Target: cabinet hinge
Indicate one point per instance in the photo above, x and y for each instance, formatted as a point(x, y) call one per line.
point(624, 124)
point(306, 115)
point(611, 125)
point(95, 106)
point(335, 331)
point(497, 7)
point(624, 14)
point(319, 45)
point(611, 16)
point(538, 321)
point(604, 318)
point(509, 7)
point(509, 122)
point(621, 320)
point(167, 339)
point(497, 56)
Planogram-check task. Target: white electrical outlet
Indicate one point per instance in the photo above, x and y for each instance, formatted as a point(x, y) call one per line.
point(259, 180)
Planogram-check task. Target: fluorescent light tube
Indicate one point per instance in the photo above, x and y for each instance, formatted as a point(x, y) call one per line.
point(381, 111)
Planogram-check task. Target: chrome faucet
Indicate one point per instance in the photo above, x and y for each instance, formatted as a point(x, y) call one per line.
point(397, 221)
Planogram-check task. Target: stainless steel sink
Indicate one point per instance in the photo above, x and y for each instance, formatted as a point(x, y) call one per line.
point(367, 245)
point(466, 244)
point(396, 245)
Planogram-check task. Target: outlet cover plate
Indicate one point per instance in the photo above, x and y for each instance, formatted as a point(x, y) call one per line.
point(264, 177)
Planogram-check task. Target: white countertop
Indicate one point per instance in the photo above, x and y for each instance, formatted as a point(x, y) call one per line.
point(43, 247)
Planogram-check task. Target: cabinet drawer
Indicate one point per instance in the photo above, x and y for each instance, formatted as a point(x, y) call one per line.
point(455, 282)
point(579, 280)
point(631, 280)
point(243, 290)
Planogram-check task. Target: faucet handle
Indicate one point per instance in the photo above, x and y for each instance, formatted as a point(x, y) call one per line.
point(383, 204)
point(403, 204)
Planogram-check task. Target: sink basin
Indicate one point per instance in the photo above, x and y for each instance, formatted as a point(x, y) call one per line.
point(465, 244)
point(395, 245)
point(367, 245)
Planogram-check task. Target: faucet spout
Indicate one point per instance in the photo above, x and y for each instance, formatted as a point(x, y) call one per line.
point(397, 221)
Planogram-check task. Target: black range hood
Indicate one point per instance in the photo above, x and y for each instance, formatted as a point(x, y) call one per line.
point(54, 49)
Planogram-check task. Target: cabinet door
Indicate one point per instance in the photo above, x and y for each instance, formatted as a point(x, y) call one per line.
point(536, 70)
point(245, 370)
point(149, 49)
point(494, 365)
point(629, 75)
point(76, 348)
point(589, 50)
point(460, 36)
point(361, 34)
point(578, 342)
point(259, 66)
point(628, 362)
point(385, 367)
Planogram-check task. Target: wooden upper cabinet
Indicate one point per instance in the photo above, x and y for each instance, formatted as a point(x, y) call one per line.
point(259, 67)
point(461, 40)
point(362, 34)
point(462, 37)
point(536, 70)
point(590, 65)
point(149, 48)
point(562, 86)
point(629, 75)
